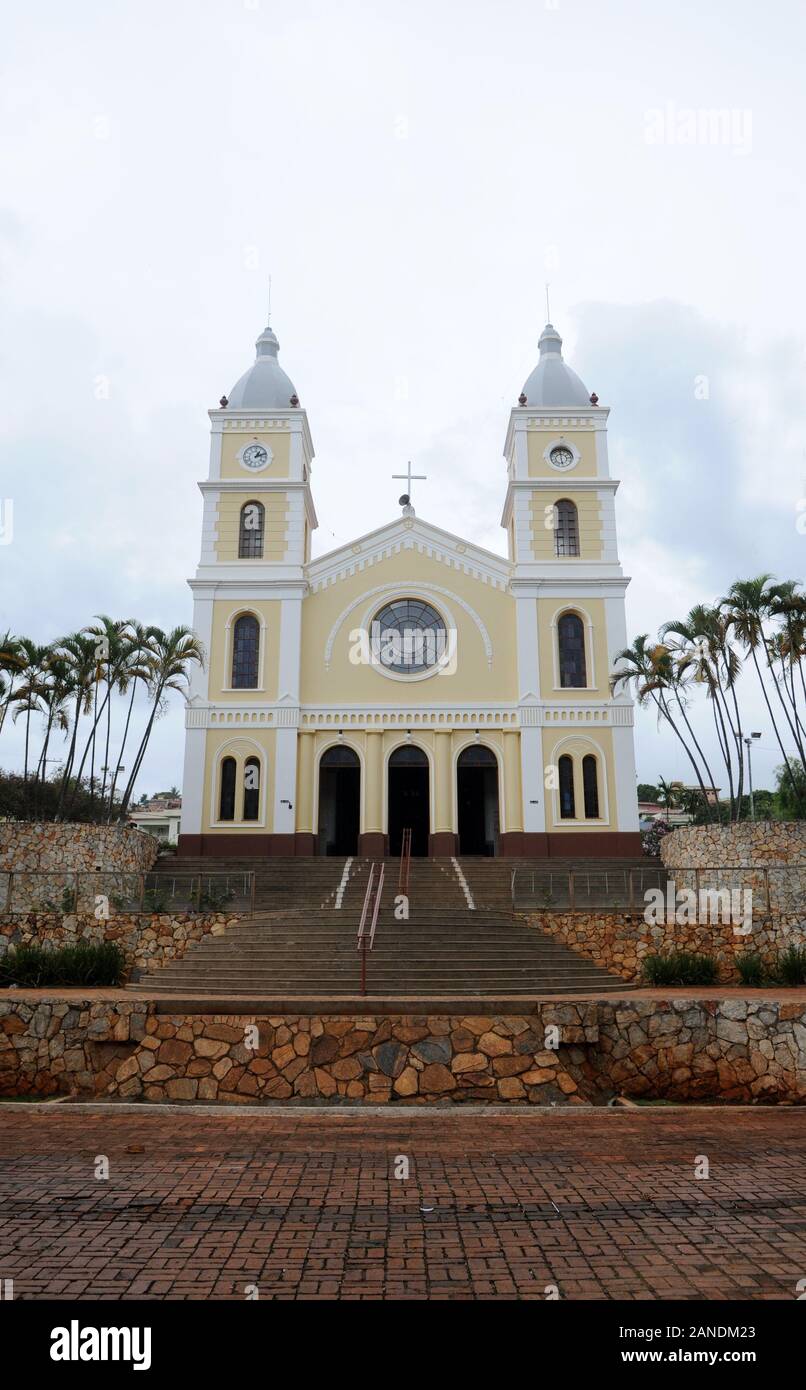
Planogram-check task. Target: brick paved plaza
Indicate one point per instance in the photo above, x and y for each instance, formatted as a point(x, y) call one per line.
point(305, 1203)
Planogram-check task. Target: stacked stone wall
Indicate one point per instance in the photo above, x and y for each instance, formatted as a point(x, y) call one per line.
point(682, 1049)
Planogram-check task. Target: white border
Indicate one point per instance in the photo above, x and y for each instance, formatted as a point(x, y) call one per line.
point(261, 445)
point(240, 749)
point(561, 443)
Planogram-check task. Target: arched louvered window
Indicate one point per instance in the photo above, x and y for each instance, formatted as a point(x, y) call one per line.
point(590, 785)
point(251, 789)
point(250, 532)
point(245, 652)
point(566, 531)
point(571, 643)
point(226, 805)
point(566, 769)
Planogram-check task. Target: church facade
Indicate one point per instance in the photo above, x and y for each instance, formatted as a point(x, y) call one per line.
point(409, 679)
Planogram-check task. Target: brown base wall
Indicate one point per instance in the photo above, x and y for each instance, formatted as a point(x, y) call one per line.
point(515, 844)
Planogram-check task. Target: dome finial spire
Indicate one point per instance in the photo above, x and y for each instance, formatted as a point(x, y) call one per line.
point(548, 310)
point(268, 315)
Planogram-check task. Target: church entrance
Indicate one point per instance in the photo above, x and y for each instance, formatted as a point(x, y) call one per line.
point(339, 801)
point(477, 800)
point(408, 799)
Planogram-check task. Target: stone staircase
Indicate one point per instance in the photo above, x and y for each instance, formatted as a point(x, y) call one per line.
point(461, 936)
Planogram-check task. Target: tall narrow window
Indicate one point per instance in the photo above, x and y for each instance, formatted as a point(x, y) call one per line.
point(226, 805)
point(571, 642)
point(590, 784)
point(566, 533)
point(566, 766)
point(250, 533)
point(251, 788)
point(245, 651)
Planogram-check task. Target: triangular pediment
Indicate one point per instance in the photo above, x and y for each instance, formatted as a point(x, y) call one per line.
point(409, 533)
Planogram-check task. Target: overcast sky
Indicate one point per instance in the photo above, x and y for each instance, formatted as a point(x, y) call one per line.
point(410, 175)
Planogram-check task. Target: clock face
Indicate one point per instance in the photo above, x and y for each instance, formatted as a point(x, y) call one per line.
point(254, 456)
point(561, 457)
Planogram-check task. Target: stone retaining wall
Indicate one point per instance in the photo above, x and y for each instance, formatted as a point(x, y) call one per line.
point(618, 941)
point(147, 940)
point(59, 848)
point(683, 1049)
point(776, 850)
point(739, 846)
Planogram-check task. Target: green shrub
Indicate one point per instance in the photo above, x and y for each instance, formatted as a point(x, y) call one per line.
point(792, 965)
point(679, 968)
point(751, 969)
point(85, 963)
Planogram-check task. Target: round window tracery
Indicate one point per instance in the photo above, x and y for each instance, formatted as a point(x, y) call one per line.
point(408, 636)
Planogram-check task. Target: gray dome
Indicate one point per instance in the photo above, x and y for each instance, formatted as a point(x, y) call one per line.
point(265, 386)
point(552, 383)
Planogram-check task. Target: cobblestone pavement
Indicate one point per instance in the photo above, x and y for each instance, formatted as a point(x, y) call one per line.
point(305, 1203)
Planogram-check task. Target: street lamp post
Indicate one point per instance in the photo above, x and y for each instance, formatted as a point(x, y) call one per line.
point(749, 744)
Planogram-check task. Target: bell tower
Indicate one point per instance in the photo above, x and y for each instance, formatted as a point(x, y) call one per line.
point(247, 609)
point(569, 589)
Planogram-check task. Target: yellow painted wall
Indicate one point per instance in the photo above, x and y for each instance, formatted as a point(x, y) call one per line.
point(599, 741)
point(279, 441)
point(537, 442)
point(221, 649)
point(228, 520)
point(595, 609)
point(474, 682)
point(240, 745)
point(589, 521)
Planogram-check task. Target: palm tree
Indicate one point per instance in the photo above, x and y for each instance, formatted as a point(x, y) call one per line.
point(705, 655)
point(650, 669)
point(113, 638)
point(32, 662)
point(747, 604)
point(172, 655)
point(788, 647)
point(78, 651)
point(135, 666)
point(54, 694)
point(10, 666)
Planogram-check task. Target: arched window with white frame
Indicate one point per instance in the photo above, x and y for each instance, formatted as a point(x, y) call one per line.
point(571, 652)
point(590, 786)
point(251, 789)
point(566, 529)
point(251, 531)
point(226, 799)
point(245, 652)
point(566, 779)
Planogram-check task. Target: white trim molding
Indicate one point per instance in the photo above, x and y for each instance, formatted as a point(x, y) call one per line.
point(561, 443)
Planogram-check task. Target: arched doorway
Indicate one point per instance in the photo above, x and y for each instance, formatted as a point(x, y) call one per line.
point(409, 799)
point(477, 800)
point(339, 801)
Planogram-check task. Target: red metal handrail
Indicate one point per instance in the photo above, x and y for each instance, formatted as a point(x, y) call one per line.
point(361, 942)
point(405, 861)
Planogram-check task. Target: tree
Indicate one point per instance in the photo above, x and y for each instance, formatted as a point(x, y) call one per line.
point(171, 656)
point(747, 604)
point(648, 666)
point(647, 792)
point(791, 788)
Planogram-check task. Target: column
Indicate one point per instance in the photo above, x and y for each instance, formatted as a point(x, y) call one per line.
point(443, 839)
point(372, 839)
point(305, 837)
point(512, 838)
